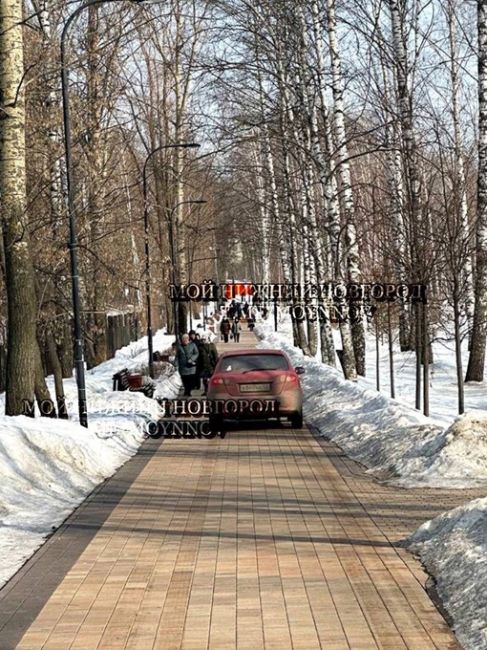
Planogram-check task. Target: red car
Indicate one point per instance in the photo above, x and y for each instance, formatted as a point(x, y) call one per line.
point(245, 381)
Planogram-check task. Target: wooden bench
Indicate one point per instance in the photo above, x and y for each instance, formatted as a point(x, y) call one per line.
point(134, 382)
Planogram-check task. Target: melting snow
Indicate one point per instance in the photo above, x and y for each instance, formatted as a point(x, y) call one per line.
point(49, 466)
point(394, 440)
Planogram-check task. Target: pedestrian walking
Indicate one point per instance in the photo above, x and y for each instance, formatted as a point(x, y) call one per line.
point(231, 311)
point(236, 329)
point(207, 360)
point(185, 362)
point(251, 323)
point(197, 377)
point(225, 329)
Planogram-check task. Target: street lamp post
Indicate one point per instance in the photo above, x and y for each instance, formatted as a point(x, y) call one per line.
point(180, 145)
point(73, 239)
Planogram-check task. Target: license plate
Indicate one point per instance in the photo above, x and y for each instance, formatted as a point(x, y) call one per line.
point(255, 388)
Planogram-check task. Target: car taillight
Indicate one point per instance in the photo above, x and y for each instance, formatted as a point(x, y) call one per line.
point(283, 379)
point(292, 378)
point(216, 381)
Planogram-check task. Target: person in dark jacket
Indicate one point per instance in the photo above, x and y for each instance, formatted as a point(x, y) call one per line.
point(197, 377)
point(208, 357)
point(236, 329)
point(231, 310)
point(225, 328)
point(185, 362)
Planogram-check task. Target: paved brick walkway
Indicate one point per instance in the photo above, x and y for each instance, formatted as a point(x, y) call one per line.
point(268, 538)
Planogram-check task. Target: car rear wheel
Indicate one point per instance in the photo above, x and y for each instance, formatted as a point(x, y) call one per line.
point(296, 420)
point(215, 423)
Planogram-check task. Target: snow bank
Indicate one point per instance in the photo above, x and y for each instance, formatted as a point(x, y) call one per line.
point(397, 442)
point(453, 547)
point(386, 436)
point(49, 466)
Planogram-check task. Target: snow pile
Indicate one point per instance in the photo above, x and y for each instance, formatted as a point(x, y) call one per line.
point(453, 547)
point(134, 357)
point(385, 435)
point(48, 466)
point(392, 439)
point(443, 373)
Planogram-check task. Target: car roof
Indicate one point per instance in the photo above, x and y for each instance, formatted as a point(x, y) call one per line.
point(255, 351)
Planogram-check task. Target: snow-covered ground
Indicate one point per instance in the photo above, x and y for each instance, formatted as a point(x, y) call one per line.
point(394, 440)
point(387, 436)
point(49, 466)
point(454, 549)
point(443, 383)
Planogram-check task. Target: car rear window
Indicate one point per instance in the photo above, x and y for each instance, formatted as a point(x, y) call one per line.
point(242, 362)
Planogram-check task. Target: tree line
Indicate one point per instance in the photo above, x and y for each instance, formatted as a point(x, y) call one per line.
point(341, 141)
point(364, 128)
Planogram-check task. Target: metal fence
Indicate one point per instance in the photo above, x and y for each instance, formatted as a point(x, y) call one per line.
point(121, 330)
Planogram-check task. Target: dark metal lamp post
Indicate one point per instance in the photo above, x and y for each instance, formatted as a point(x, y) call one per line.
point(73, 241)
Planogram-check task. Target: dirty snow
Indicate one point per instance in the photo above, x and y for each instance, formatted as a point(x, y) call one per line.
point(396, 442)
point(453, 547)
point(49, 466)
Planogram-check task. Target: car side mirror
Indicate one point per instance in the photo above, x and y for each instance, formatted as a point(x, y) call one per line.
point(299, 370)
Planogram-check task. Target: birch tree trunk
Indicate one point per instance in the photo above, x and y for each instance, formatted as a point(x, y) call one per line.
point(264, 214)
point(61, 345)
point(476, 361)
point(285, 123)
point(396, 207)
point(327, 177)
point(266, 156)
point(180, 239)
point(352, 260)
point(22, 349)
point(411, 168)
point(312, 333)
point(179, 231)
point(277, 213)
point(314, 144)
point(460, 180)
point(53, 102)
point(137, 293)
point(275, 220)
